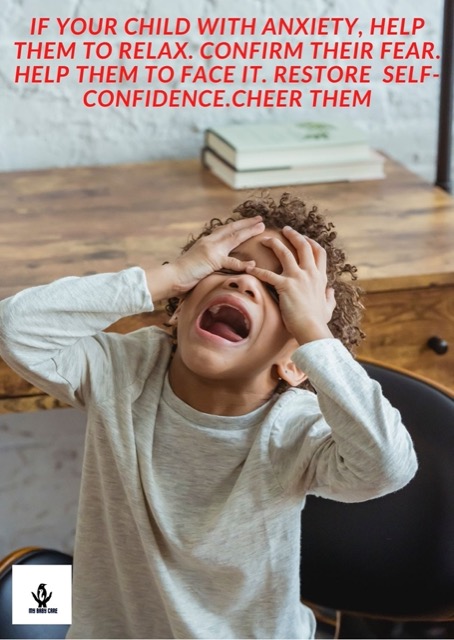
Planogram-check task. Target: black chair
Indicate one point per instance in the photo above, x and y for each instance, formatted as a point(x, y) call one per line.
point(385, 568)
point(34, 556)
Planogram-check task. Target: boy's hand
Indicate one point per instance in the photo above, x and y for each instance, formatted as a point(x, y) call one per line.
point(210, 253)
point(305, 300)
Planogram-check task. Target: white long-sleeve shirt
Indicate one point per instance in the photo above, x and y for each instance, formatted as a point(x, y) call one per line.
point(189, 523)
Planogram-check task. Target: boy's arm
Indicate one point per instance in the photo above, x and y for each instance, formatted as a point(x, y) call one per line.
point(357, 447)
point(353, 445)
point(51, 336)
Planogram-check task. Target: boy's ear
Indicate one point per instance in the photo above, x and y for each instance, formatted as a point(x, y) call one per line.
point(289, 372)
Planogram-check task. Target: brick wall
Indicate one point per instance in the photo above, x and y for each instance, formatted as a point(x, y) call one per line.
point(47, 126)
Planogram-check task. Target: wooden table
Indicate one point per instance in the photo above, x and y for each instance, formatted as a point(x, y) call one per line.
point(398, 231)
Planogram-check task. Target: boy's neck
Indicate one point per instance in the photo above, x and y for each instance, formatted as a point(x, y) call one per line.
point(217, 397)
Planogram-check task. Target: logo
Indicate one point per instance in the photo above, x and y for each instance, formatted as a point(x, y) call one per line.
point(42, 598)
point(41, 594)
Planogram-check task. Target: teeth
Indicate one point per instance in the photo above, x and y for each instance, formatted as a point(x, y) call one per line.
point(217, 307)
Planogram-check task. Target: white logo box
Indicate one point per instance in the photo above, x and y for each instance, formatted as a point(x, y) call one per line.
point(42, 580)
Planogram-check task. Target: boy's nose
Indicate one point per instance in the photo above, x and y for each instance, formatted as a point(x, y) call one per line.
point(244, 283)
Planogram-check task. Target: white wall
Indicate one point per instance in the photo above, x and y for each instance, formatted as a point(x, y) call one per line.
point(46, 126)
point(40, 467)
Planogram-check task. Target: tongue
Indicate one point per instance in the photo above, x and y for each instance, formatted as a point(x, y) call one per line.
point(224, 331)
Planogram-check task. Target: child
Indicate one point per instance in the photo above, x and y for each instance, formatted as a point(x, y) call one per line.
point(199, 454)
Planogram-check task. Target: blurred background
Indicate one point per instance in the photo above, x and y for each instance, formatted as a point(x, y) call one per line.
point(45, 126)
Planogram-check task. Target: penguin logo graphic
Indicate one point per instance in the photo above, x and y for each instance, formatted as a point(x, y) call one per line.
point(42, 598)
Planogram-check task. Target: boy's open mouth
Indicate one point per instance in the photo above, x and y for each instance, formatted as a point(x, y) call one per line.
point(225, 321)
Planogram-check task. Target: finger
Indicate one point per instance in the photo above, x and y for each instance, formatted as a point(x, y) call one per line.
point(246, 231)
point(236, 264)
point(265, 275)
point(320, 256)
point(234, 233)
point(303, 247)
point(285, 256)
point(310, 253)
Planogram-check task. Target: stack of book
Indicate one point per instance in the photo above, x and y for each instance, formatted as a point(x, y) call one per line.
point(266, 155)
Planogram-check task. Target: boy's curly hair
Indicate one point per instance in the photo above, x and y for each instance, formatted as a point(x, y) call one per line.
point(307, 220)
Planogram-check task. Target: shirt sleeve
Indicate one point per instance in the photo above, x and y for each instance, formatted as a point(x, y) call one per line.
point(52, 336)
point(346, 442)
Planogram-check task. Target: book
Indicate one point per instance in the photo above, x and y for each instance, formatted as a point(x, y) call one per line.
point(370, 169)
point(305, 143)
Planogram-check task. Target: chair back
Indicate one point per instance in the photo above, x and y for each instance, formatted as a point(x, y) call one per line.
point(33, 556)
point(392, 557)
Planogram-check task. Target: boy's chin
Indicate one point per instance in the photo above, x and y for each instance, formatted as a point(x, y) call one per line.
point(210, 363)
